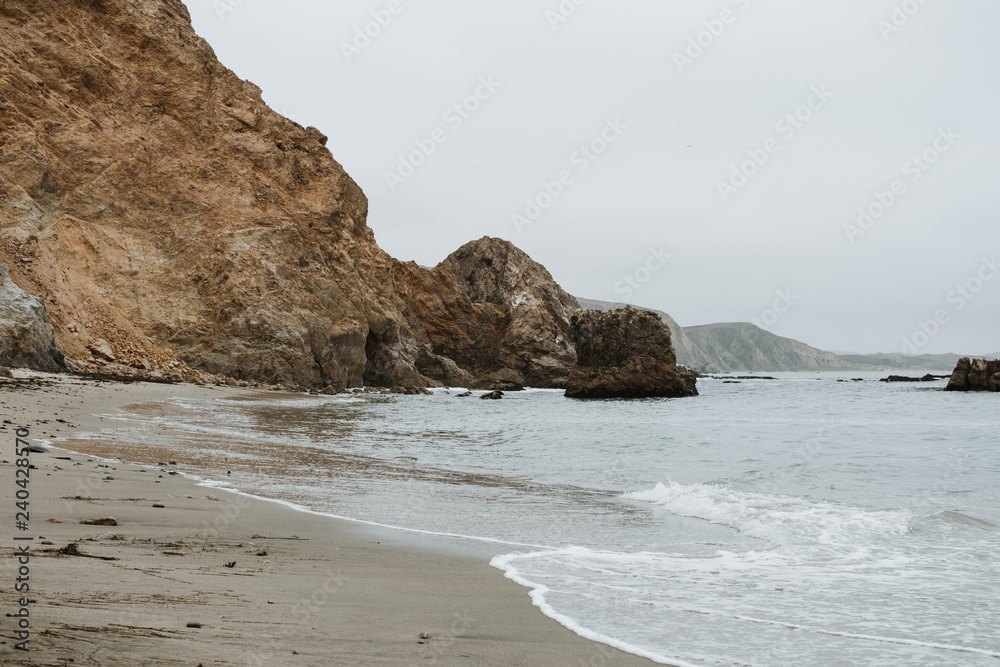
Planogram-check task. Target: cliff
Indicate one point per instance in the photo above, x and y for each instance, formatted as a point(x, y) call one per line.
point(745, 347)
point(171, 220)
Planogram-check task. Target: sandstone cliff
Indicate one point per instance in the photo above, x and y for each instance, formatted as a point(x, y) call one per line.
point(171, 218)
point(625, 353)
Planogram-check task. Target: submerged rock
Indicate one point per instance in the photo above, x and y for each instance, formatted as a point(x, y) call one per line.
point(975, 375)
point(492, 396)
point(625, 353)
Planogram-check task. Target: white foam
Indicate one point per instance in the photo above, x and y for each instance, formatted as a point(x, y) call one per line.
point(776, 519)
point(537, 593)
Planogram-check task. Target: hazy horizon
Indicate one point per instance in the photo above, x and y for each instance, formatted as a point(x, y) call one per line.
point(603, 142)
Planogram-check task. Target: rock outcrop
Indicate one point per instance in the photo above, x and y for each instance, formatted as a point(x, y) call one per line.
point(27, 339)
point(975, 375)
point(529, 337)
point(625, 353)
point(689, 354)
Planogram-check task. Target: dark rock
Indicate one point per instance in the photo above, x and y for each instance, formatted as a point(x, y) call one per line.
point(5, 372)
point(464, 395)
point(975, 375)
point(106, 521)
point(507, 386)
point(625, 353)
point(903, 378)
point(492, 396)
point(27, 338)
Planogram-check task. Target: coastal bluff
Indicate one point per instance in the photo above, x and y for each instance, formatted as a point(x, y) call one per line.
point(172, 224)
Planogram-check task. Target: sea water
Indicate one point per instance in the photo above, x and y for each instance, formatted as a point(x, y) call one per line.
point(807, 520)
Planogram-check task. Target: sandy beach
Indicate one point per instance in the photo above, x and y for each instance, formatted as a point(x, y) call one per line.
point(198, 576)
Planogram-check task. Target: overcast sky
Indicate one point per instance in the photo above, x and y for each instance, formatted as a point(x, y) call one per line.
point(739, 137)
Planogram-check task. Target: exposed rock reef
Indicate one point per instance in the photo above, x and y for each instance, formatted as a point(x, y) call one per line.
point(975, 375)
point(173, 222)
point(27, 339)
point(625, 353)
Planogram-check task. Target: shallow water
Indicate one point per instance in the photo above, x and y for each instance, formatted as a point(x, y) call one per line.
point(802, 521)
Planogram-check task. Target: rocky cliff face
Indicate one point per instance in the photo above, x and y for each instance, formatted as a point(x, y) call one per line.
point(975, 375)
point(530, 313)
point(27, 339)
point(625, 353)
point(170, 217)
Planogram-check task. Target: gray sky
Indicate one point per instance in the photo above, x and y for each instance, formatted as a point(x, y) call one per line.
point(643, 109)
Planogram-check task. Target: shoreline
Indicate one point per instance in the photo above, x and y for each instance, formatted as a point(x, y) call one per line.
point(305, 588)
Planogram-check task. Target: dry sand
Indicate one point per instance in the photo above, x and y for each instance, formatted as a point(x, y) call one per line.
point(304, 590)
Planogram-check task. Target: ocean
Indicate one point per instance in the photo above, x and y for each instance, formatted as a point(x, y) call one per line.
point(807, 520)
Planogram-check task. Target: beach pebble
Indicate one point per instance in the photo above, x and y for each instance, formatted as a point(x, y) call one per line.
point(106, 521)
point(159, 505)
point(109, 478)
point(194, 625)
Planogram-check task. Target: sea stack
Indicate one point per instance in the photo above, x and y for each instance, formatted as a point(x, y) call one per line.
point(975, 375)
point(625, 353)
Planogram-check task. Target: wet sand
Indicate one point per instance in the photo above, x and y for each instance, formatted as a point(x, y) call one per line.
point(216, 578)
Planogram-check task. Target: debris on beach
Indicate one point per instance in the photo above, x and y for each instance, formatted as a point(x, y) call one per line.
point(105, 521)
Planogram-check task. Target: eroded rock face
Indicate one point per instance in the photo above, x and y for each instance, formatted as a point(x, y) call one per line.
point(27, 339)
point(625, 353)
point(492, 317)
point(975, 375)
